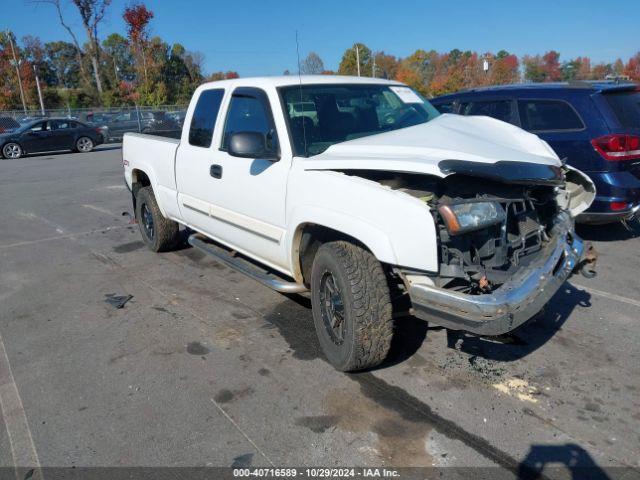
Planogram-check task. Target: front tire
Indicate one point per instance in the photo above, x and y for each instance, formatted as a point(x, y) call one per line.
point(84, 145)
point(159, 233)
point(12, 151)
point(351, 304)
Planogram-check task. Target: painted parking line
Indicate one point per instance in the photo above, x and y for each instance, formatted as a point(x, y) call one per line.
point(23, 450)
point(611, 296)
point(61, 237)
point(100, 209)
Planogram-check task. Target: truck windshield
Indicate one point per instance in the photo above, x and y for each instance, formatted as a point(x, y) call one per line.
point(319, 116)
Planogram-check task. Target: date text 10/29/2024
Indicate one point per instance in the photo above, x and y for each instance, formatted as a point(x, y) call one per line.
point(277, 473)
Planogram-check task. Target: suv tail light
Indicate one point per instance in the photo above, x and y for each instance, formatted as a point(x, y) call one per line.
point(617, 147)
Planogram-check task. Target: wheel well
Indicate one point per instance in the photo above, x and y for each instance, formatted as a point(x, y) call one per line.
point(308, 238)
point(139, 180)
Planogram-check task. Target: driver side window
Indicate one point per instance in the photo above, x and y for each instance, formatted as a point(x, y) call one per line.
point(248, 113)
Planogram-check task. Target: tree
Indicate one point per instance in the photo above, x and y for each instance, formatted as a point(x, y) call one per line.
point(504, 69)
point(551, 66)
point(533, 69)
point(62, 58)
point(137, 18)
point(349, 62)
point(312, 65)
point(92, 13)
point(577, 69)
point(632, 69)
point(214, 77)
point(386, 65)
point(119, 59)
point(78, 49)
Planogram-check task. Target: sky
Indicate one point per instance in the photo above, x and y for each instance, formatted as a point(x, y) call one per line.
point(259, 37)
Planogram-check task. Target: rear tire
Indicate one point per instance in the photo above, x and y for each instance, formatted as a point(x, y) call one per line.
point(12, 151)
point(84, 145)
point(351, 303)
point(159, 233)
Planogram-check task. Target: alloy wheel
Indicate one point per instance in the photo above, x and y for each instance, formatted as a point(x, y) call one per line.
point(85, 144)
point(147, 222)
point(12, 150)
point(332, 308)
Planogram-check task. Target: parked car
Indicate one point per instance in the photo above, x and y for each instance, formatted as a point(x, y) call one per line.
point(129, 121)
point(49, 135)
point(8, 124)
point(162, 124)
point(595, 126)
point(383, 200)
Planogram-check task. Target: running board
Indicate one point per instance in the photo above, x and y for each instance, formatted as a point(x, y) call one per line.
point(244, 266)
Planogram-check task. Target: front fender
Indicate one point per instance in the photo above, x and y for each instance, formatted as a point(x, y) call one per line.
point(398, 228)
point(376, 240)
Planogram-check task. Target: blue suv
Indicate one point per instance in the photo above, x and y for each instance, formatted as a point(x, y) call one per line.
point(595, 126)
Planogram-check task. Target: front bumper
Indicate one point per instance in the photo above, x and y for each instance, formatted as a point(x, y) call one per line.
point(513, 303)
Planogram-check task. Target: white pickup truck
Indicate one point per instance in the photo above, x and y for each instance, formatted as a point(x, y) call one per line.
point(359, 191)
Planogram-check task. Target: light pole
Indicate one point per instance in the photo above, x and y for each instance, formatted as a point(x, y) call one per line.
point(35, 72)
point(17, 63)
point(358, 58)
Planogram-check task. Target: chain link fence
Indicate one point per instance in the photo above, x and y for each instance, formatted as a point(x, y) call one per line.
point(165, 120)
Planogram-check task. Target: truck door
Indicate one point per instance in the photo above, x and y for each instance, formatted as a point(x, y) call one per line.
point(244, 197)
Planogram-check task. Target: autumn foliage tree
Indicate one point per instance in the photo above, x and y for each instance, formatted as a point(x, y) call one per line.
point(137, 18)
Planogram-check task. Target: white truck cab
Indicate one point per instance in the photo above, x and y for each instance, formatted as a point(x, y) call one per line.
point(359, 191)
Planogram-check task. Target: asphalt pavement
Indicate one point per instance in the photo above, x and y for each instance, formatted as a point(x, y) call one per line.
point(205, 367)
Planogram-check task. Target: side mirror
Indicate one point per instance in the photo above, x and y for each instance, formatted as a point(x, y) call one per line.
point(250, 145)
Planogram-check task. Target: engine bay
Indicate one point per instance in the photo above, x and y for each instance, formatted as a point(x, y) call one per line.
point(480, 261)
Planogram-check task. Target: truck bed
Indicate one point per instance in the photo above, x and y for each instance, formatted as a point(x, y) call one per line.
point(155, 156)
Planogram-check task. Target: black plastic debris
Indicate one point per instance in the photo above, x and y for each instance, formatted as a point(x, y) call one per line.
point(117, 301)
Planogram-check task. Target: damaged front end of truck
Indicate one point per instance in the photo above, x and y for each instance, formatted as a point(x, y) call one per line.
point(506, 240)
point(507, 243)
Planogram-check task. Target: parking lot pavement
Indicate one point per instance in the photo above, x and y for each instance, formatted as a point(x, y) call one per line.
point(203, 366)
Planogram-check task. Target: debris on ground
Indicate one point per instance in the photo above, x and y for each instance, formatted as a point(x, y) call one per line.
point(132, 218)
point(117, 301)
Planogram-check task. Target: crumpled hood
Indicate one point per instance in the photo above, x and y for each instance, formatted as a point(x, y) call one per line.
point(420, 148)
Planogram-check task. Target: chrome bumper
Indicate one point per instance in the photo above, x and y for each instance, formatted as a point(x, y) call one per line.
point(509, 306)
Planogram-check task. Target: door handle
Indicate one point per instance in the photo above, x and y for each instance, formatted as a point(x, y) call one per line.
point(215, 171)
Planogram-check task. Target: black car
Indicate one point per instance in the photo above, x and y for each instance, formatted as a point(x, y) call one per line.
point(162, 125)
point(49, 135)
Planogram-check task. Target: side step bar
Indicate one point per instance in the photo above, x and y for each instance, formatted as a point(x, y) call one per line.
point(244, 266)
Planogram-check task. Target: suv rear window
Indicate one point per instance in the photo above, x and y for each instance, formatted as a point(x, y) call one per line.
point(544, 115)
point(498, 109)
point(626, 106)
point(444, 107)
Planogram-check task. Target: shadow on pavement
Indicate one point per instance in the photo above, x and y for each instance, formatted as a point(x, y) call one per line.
point(568, 458)
point(529, 337)
point(613, 232)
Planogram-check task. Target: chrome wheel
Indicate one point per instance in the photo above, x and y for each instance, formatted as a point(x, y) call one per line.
point(12, 150)
point(84, 144)
point(147, 222)
point(332, 308)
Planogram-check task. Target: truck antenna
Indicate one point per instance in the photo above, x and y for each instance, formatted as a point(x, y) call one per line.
point(304, 132)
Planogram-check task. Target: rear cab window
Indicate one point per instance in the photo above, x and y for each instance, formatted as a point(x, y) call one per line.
point(204, 117)
point(548, 115)
point(626, 107)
